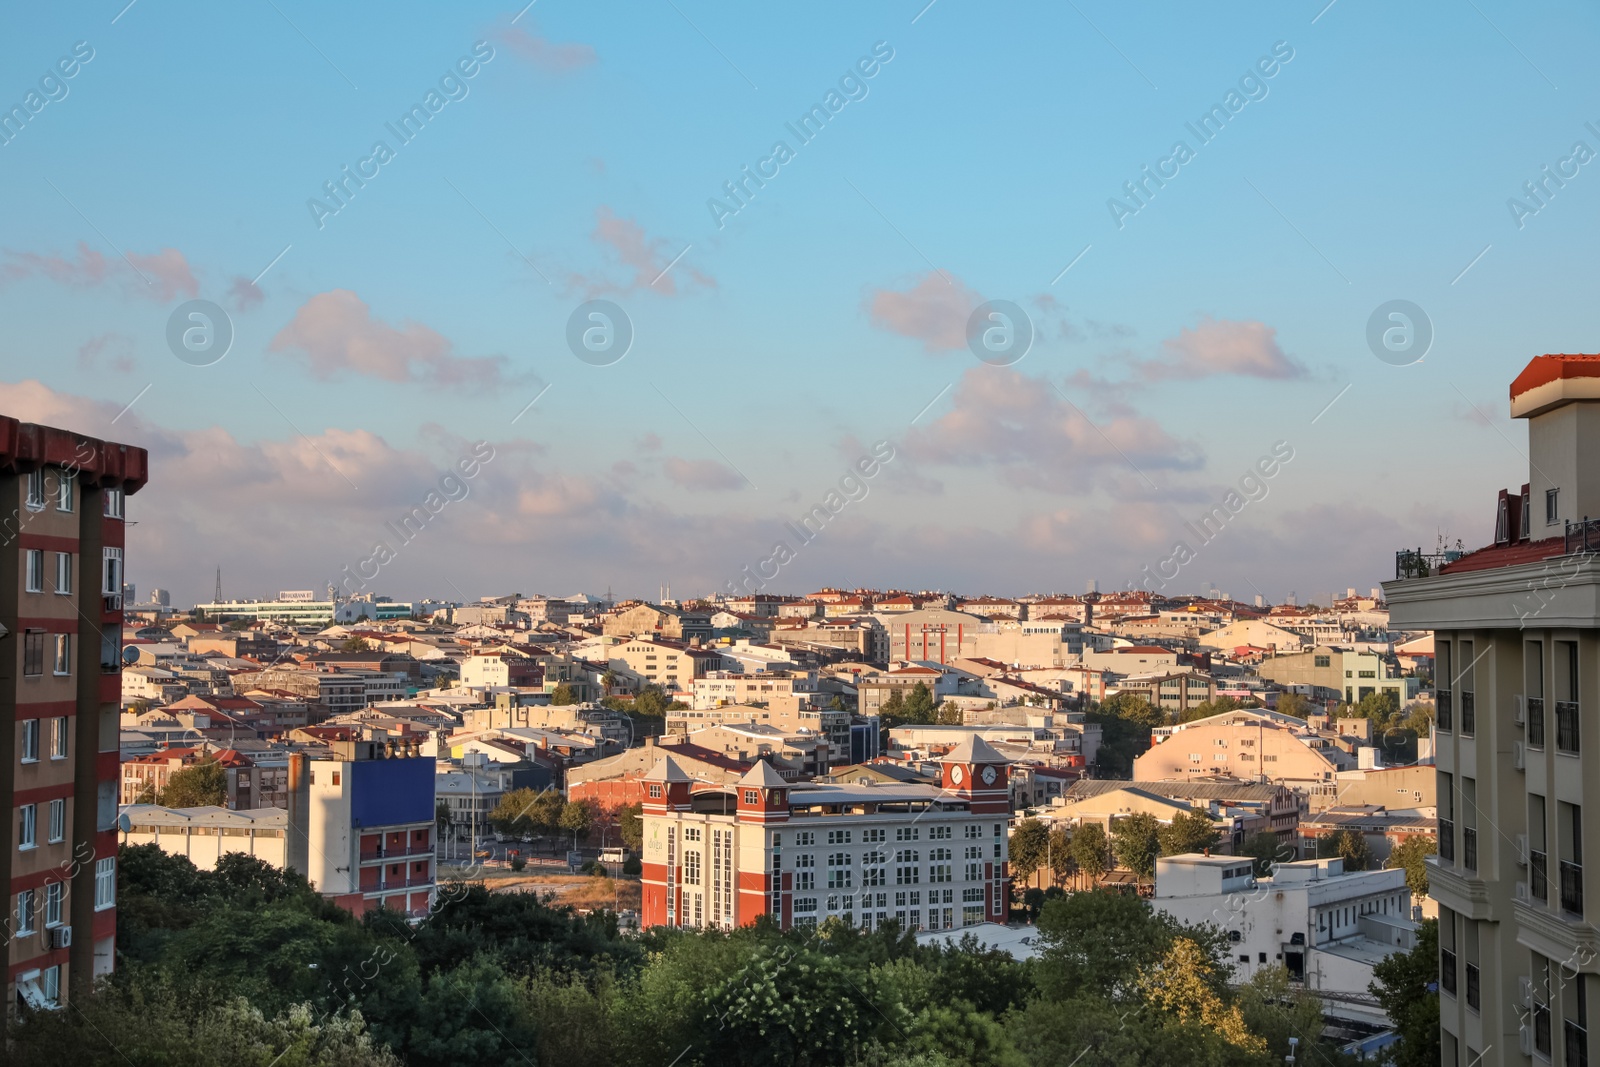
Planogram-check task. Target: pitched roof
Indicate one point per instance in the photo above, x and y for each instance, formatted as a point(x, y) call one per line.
point(973, 750)
point(762, 776)
point(667, 770)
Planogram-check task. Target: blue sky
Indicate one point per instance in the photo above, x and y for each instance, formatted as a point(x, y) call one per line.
point(1220, 319)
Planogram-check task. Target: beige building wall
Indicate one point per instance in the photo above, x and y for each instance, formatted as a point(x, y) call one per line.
point(1251, 752)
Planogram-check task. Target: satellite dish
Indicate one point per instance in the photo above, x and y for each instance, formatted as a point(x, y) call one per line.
point(130, 655)
point(124, 823)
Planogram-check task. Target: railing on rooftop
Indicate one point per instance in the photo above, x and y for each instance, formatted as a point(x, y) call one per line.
point(1415, 563)
point(1583, 536)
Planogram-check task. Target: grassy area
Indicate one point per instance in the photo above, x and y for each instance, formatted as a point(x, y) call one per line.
point(577, 890)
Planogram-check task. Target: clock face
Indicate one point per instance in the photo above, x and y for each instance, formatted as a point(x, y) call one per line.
point(988, 776)
point(956, 774)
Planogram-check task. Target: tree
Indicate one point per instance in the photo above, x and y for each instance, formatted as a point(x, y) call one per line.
point(442, 817)
point(1136, 842)
point(609, 680)
point(1187, 985)
point(1401, 986)
point(1348, 845)
point(919, 705)
point(1029, 843)
point(355, 644)
point(1268, 850)
point(630, 824)
point(652, 701)
point(563, 695)
point(1276, 1009)
point(527, 812)
point(1293, 704)
point(1058, 855)
point(1206, 709)
point(1089, 850)
point(198, 784)
point(1125, 720)
point(1099, 942)
point(1412, 854)
point(950, 715)
point(577, 818)
point(1192, 831)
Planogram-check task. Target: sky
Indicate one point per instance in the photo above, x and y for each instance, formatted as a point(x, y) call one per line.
point(797, 217)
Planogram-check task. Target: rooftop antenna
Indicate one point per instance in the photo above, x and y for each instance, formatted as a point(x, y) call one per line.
point(216, 598)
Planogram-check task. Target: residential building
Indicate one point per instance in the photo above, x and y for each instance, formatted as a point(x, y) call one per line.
point(62, 510)
point(930, 857)
point(825, 724)
point(1240, 745)
point(1176, 691)
point(1326, 926)
point(717, 688)
point(1517, 664)
point(653, 619)
point(1328, 672)
point(670, 664)
point(501, 668)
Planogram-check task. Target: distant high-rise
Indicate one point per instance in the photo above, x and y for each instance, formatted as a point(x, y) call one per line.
point(61, 568)
point(1093, 587)
point(1261, 601)
point(162, 597)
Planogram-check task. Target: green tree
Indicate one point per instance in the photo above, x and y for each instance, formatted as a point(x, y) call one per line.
point(527, 812)
point(919, 705)
point(198, 784)
point(950, 715)
point(609, 680)
point(1208, 708)
point(651, 701)
point(630, 824)
point(1348, 845)
point(1191, 831)
point(1029, 843)
point(1125, 721)
point(1277, 1009)
point(1412, 854)
point(1097, 943)
point(577, 818)
point(562, 695)
point(1187, 985)
point(1058, 854)
point(1401, 986)
point(442, 817)
point(1136, 842)
point(1293, 704)
point(1267, 850)
point(355, 644)
point(1090, 850)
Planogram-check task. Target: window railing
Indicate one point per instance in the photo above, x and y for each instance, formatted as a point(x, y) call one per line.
point(1567, 725)
point(1538, 875)
point(1536, 721)
point(1469, 714)
point(1442, 699)
point(1572, 887)
point(1541, 1028)
point(1469, 848)
point(1473, 987)
point(1577, 1045)
point(1447, 971)
point(1447, 840)
point(1580, 536)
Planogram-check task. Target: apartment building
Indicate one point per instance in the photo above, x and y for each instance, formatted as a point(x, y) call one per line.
point(1334, 673)
point(770, 687)
point(665, 663)
point(62, 500)
point(661, 621)
point(1517, 644)
point(825, 724)
point(929, 857)
point(1244, 746)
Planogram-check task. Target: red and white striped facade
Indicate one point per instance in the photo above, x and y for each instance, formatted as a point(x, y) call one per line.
point(929, 857)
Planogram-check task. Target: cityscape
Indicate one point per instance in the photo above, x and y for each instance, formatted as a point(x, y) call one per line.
point(736, 536)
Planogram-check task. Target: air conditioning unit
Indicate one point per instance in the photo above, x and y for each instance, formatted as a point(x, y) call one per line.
point(1525, 991)
point(1518, 713)
point(1519, 755)
point(1525, 1040)
point(1521, 892)
point(61, 937)
point(1522, 850)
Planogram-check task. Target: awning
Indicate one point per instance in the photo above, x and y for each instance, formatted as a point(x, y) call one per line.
point(29, 992)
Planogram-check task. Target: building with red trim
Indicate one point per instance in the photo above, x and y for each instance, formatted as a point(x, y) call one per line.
point(61, 573)
point(930, 857)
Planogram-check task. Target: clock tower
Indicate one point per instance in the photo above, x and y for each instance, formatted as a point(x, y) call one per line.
point(975, 771)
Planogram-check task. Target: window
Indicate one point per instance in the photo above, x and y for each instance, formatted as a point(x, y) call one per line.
point(58, 820)
point(35, 490)
point(34, 580)
point(655, 792)
point(906, 833)
point(805, 838)
point(66, 491)
point(28, 835)
point(25, 912)
point(52, 903)
point(30, 740)
point(111, 573)
point(113, 498)
point(1552, 508)
point(938, 833)
point(691, 868)
point(58, 738)
point(1322, 661)
point(838, 837)
point(64, 573)
point(873, 837)
point(752, 796)
point(805, 875)
point(105, 883)
point(63, 661)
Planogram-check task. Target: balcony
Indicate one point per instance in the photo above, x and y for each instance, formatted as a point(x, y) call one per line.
point(1577, 1045)
point(1447, 840)
point(1442, 699)
point(1572, 887)
point(1469, 714)
point(1567, 726)
point(1415, 563)
point(1538, 875)
point(396, 853)
point(1583, 536)
point(392, 884)
point(1447, 971)
point(1536, 722)
point(1469, 848)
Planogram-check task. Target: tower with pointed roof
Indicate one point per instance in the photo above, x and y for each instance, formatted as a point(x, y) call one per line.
point(974, 770)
